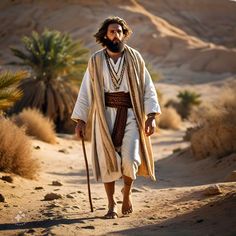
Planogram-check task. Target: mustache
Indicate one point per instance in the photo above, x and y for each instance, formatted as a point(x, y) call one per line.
point(115, 45)
point(116, 39)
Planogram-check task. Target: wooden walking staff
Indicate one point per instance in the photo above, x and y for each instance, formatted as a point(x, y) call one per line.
point(87, 170)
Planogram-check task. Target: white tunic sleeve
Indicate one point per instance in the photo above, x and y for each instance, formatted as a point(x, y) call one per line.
point(84, 99)
point(151, 104)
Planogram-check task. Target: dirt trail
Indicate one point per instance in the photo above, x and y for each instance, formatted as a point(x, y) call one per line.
point(174, 205)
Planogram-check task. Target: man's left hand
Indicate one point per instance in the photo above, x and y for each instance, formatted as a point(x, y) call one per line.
point(150, 125)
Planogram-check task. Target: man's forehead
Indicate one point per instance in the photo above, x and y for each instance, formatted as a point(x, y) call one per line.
point(114, 26)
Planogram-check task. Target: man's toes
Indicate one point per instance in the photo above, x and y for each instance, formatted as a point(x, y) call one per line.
point(130, 210)
point(112, 213)
point(126, 212)
point(111, 216)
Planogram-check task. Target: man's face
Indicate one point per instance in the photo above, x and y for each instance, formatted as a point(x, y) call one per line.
point(115, 32)
point(114, 40)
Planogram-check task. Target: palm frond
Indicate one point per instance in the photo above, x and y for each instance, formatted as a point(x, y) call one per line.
point(189, 98)
point(8, 79)
point(9, 91)
point(57, 63)
point(51, 54)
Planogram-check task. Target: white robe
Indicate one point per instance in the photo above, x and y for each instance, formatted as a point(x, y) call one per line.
point(130, 159)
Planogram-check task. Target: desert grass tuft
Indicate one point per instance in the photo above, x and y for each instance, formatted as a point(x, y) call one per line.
point(216, 127)
point(169, 119)
point(15, 150)
point(36, 125)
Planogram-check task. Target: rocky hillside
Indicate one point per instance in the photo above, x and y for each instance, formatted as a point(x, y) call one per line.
point(182, 35)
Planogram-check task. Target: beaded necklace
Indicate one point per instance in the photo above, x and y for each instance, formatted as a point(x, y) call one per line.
point(115, 78)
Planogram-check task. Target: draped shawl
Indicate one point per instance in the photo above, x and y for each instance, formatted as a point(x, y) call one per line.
point(136, 78)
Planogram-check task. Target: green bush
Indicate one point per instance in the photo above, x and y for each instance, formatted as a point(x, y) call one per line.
point(187, 101)
point(57, 63)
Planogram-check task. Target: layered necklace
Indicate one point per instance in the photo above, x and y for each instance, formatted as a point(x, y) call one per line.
point(116, 79)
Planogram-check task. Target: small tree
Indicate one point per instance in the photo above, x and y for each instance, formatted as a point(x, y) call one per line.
point(9, 92)
point(56, 63)
point(188, 100)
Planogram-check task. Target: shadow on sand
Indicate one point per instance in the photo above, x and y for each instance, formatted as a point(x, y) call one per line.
point(181, 169)
point(215, 218)
point(45, 223)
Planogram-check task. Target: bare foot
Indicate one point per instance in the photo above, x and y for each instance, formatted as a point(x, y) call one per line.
point(127, 207)
point(112, 212)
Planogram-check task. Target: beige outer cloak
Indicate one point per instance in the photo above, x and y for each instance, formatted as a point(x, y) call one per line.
point(101, 134)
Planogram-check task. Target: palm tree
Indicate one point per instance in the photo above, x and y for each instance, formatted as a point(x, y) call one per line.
point(56, 63)
point(188, 100)
point(9, 93)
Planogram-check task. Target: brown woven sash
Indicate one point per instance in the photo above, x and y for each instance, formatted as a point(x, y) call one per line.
point(122, 102)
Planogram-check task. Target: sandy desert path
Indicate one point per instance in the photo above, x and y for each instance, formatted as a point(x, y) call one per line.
point(177, 204)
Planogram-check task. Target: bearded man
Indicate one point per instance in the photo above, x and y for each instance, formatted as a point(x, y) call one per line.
point(120, 92)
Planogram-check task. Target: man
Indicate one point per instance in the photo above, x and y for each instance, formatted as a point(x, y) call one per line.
point(119, 90)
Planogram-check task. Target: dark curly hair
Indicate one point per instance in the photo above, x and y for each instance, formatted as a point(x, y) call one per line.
point(102, 31)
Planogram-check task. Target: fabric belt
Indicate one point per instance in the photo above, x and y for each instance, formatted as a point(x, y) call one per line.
point(122, 102)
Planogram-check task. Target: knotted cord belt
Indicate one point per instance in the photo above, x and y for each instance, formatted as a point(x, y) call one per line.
point(122, 102)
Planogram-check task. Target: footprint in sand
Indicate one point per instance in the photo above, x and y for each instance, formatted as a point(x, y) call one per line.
point(88, 227)
point(38, 188)
point(101, 208)
point(69, 196)
point(2, 198)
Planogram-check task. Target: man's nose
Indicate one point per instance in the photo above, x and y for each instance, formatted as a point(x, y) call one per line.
point(116, 34)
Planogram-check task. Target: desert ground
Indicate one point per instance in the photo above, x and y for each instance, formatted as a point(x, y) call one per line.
point(191, 44)
point(178, 203)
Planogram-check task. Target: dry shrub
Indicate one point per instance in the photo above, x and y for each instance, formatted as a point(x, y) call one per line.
point(36, 125)
point(172, 103)
point(216, 133)
point(169, 119)
point(15, 150)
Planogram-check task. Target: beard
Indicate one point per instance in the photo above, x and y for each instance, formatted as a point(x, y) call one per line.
point(117, 46)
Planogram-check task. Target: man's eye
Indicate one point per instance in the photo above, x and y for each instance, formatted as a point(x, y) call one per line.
point(113, 31)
